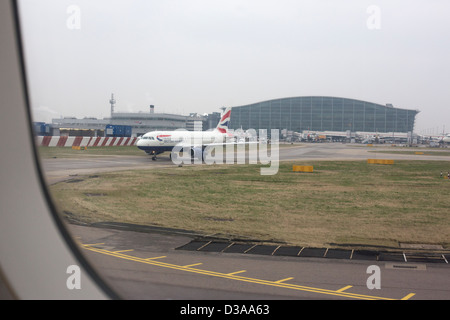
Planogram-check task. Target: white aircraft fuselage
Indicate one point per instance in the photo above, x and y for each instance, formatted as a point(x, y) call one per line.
point(446, 138)
point(156, 142)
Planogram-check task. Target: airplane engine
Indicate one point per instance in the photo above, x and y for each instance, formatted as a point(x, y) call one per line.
point(197, 153)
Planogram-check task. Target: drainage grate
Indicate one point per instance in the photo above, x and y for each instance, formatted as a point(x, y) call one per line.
point(365, 255)
point(406, 266)
point(288, 251)
point(338, 254)
point(193, 245)
point(262, 249)
point(214, 247)
point(313, 252)
point(238, 248)
point(391, 256)
point(297, 251)
point(438, 258)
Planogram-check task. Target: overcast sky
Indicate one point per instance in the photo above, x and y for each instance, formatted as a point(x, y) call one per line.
point(196, 56)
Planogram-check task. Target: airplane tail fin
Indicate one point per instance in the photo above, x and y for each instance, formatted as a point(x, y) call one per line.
point(222, 126)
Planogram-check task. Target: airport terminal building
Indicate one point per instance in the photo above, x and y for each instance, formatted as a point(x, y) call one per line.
point(291, 116)
point(317, 113)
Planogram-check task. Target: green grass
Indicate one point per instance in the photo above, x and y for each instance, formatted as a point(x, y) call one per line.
point(343, 202)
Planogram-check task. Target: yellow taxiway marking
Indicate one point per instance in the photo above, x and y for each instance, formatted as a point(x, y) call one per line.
point(408, 296)
point(344, 288)
point(284, 280)
point(154, 258)
point(239, 278)
point(236, 272)
point(93, 244)
point(120, 251)
point(192, 265)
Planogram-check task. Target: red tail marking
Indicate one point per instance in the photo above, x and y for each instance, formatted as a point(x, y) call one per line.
point(226, 115)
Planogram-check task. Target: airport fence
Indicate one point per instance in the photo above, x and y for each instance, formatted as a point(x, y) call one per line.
point(66, 141)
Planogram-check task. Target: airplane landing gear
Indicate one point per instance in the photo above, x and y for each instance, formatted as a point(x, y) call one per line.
point(153, 154)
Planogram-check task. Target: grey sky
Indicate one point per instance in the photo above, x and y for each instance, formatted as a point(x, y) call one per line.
point(195, 56)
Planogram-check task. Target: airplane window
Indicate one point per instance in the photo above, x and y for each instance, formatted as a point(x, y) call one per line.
point(291, 135)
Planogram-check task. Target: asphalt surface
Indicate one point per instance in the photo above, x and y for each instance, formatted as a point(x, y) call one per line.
point(141, 265)
point(148, 264)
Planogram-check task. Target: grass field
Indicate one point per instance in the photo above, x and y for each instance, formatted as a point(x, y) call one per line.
point(348, 202)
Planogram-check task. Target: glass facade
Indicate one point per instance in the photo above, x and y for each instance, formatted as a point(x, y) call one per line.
point(322, 114)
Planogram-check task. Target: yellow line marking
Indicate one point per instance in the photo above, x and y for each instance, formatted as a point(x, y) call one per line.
point(238, 278)
point(408, 296)
point(283, 280)
point(236, 272)
point(343, 289)
point(156, 258)
point(120, 251)
point(192, 265)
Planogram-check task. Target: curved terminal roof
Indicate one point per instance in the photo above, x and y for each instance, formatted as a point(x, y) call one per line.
point(322, 113)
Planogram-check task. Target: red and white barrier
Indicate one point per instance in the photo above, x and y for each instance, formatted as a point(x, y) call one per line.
point(64, 141)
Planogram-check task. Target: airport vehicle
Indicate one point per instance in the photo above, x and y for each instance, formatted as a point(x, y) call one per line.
point(195, 142)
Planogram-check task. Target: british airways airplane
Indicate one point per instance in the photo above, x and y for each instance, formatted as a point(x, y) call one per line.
point(157, 142)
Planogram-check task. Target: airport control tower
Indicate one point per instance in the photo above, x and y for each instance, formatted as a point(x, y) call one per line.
point(112, 101)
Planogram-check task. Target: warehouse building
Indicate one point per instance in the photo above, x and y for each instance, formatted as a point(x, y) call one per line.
point(123, 123)
point(139, 122)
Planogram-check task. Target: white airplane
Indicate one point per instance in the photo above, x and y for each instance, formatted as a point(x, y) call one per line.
point(157, 142)
point(446, 138)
